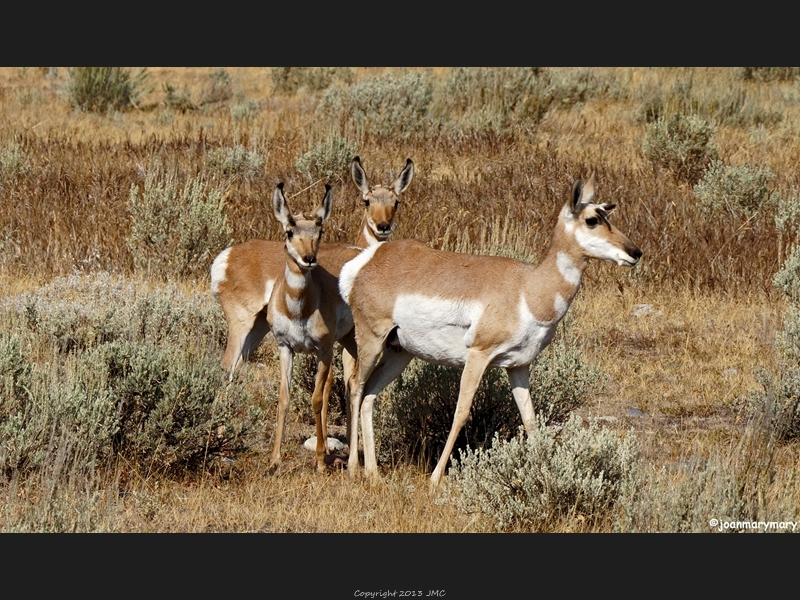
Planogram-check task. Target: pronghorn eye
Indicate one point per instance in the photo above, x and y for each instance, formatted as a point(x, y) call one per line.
point(592, 221)
point(366, 203)
point(289, 234)
point(396, 204)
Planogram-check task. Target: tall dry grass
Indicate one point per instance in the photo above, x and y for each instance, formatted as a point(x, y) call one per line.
point(675, 372)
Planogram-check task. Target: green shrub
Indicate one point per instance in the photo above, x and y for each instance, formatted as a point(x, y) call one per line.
point(236, 160)
point(769, 73)
point(78, 312)
point(787, 279)
point(560, 382)
point(787, 212)
point(739, 191)
point(173, 413)
point(218, 88)
point(531, 480)
point(289, 80)
point(723, 491)
point(386, 106)
point(178, 100)
point(97, 368)
point(730, 104)
point(99, 89)
point(734, 107)
point(328, 159)
point(570, 86)
point(243, 108)
point(176, 232)
point(415, 418)
point(13, 160)
point(15, 371)
point(488, 99)
point(777, 401)
point(682, 145)
point(303, 381)
point(158, 406)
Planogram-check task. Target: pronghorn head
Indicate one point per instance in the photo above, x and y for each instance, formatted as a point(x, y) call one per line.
point(588, 223)
point(303, 230)
point(381, 202)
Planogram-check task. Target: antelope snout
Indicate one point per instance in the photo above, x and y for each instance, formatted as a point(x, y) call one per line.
point(310, 260)
point(634, 252)
point(385, 227)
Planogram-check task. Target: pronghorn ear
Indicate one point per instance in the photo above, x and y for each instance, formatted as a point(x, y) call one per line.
point(587, 193)
point(281, 208)
point(359, 176)
point(608, 207)
point(323, 211)
point(575, 201)
point(405, 177)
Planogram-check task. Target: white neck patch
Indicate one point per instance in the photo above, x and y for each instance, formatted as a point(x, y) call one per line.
point(347, 276)
point(568, 270)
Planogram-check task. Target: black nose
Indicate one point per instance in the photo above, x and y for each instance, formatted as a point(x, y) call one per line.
point(310, 260)
point(384, 227)
point(635, 252)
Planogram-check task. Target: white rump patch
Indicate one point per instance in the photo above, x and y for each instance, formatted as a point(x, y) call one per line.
point(351, 268)
point(219, 269)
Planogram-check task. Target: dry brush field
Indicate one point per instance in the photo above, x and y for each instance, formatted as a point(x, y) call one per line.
point(115, 414)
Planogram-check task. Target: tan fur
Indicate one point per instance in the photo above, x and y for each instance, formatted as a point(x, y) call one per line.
point(252, 265)
point(256, 265)
point(306, 314)
point(490, 302)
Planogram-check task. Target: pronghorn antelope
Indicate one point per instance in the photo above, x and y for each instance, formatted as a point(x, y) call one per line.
point(243, 276)
point(469, 311)
point(306, 313)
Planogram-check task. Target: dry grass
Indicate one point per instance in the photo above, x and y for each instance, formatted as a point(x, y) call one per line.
point(683, 362)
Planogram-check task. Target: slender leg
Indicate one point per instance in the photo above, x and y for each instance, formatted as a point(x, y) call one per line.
point(387, 371)
point(253, 340)
point(237, 334)
point(245, 332)
point(348, 373)
point(326, 398)
point(369, 353)
point(287, 361)
point(519, 378)
point(470, 378)
point(319, 406)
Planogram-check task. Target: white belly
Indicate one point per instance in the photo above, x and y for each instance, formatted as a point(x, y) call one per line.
point(443, 331)
point(436, 330)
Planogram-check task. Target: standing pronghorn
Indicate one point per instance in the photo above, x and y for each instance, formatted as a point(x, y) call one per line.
point(306, 313)
point(243, 276)
point(468, 311)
